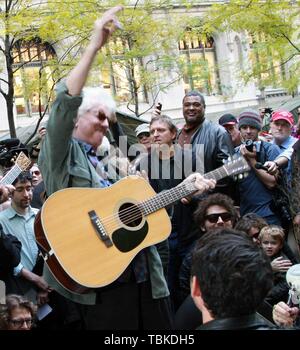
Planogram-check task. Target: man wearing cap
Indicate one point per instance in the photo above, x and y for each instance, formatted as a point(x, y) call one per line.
point(256, 189)
point(281, 126)
point(229, 122)
point(142, 132)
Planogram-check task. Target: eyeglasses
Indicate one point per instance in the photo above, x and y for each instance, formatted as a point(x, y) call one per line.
point(143, 134)
point(19, 323)
point(36, 172)
point(213, 218)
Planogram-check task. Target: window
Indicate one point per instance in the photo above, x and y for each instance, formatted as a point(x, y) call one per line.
point(267, 62)
point(198, 60)
point(32, 75)
point(122, 77)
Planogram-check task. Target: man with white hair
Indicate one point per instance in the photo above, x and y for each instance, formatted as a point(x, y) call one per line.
point(282, 123)
point(138, 299)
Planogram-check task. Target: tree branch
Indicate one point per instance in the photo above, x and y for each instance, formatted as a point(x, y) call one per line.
point(289, 40)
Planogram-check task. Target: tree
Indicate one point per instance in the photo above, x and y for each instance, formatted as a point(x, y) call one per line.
point(273, 32)
point(19, 19)
point(144, 53)
point(136, 64)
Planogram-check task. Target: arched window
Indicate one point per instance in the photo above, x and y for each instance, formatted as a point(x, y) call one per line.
point(199, 63)
point(33, 81)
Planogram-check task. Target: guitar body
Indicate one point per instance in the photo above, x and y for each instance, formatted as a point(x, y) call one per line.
point(77, 255)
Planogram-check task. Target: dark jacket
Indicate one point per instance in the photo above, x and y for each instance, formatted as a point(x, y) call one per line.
point(10, 253)
point(280, 289)
point(216, 144)
point(211, 145)
point(248, 322)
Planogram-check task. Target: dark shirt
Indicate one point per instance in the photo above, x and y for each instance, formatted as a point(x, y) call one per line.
point(255, 197)
point(186, 134)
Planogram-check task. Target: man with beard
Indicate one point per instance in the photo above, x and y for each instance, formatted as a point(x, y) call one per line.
point(18, 220)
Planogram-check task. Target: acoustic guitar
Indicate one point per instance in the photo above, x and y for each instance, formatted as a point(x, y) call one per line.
point(89, 236)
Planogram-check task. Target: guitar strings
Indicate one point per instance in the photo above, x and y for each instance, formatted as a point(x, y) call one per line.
point(133, 213)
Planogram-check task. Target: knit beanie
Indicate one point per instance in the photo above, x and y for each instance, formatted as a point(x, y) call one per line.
point(251, 118)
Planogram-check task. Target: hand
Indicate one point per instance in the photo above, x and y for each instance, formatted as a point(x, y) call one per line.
point(200, 183)
point(42, 132)
point(272, 167)
point(249, 156)
point(156, 111)
point(42, 284)
point(297, 219)
point(42, 298)
point(281, 265)
point(5, 191)
point(143, 174)
point(283, 315)
point(104, 27)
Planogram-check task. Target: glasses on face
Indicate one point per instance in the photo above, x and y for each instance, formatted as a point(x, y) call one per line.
point(36, 172)
point(213, 218)
point(19, 323)
point(143, 134)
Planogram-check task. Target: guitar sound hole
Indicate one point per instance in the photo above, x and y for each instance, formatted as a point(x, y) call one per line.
point(130, 214)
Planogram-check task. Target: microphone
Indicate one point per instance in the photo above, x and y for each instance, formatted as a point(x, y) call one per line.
point(261, 166)
point(10, 143)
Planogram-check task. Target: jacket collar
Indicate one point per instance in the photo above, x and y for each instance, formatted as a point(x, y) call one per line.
point(252, 321)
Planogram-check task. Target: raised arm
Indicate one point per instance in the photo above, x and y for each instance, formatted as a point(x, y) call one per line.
point(103, 29)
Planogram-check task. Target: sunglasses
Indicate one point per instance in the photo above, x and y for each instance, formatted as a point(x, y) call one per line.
point(36, 172)
point(213, 218)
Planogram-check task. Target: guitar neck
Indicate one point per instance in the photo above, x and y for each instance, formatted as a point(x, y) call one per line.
point(168, 197)
point(10, 177)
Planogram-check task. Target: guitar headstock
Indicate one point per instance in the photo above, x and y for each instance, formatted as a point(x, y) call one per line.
point(237, 165)
point(23, 162)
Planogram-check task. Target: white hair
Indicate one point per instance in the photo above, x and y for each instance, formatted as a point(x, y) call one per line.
point(95, 95)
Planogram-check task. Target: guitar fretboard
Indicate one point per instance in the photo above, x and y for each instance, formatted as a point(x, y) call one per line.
point(184, 189)
point(10, 177)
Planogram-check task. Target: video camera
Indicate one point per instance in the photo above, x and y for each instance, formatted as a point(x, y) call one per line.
point(10, 148)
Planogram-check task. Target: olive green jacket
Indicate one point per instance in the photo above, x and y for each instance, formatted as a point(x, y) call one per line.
point(64, 163)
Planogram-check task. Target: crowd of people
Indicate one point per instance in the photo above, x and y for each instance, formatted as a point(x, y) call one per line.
point(231, 241)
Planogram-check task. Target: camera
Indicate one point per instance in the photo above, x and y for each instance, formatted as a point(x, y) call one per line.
point(266, 110)
point(9, 148)
point(249, 145)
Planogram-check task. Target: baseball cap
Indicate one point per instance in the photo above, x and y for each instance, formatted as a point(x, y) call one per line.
point(227, 119)
point(283, 115)
point(142, 128)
